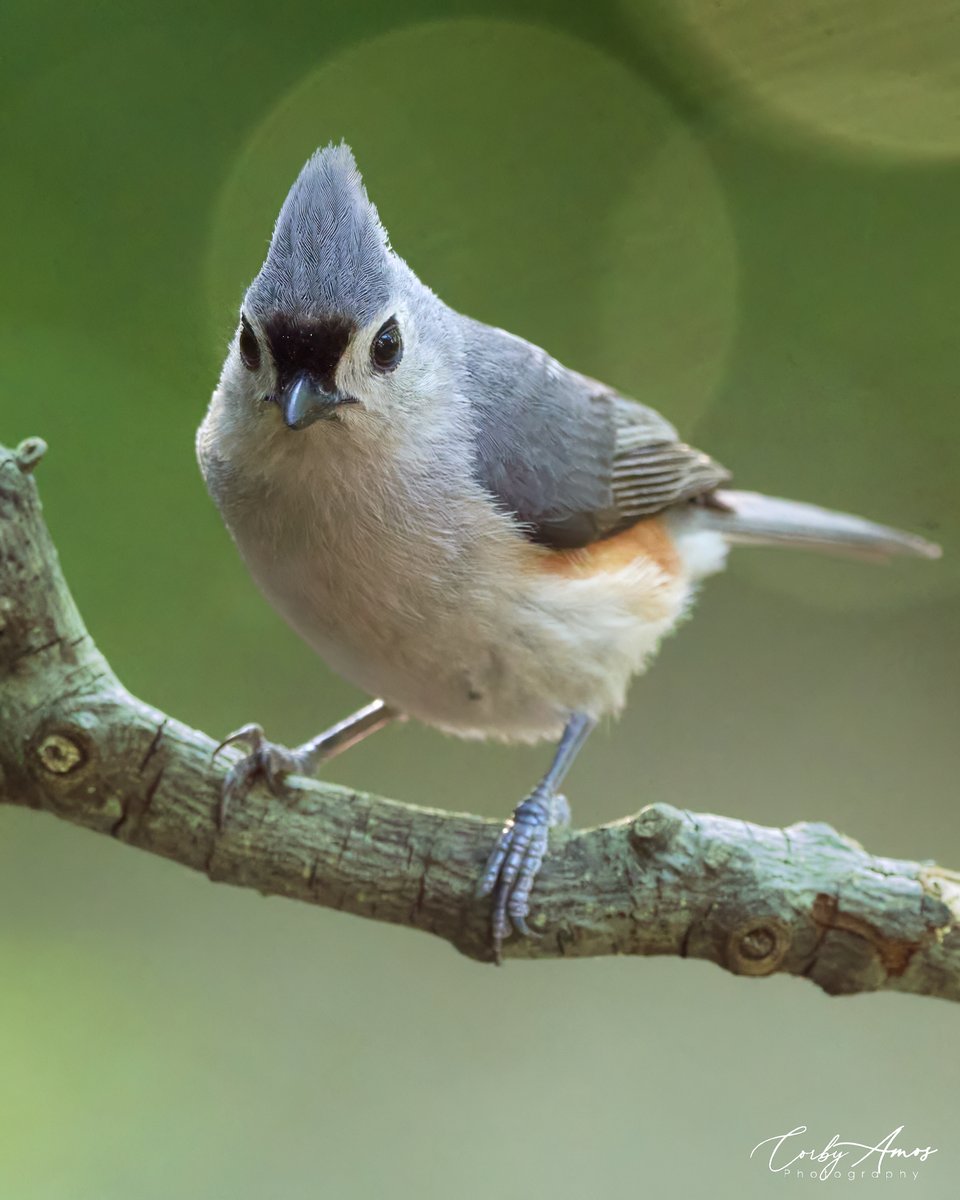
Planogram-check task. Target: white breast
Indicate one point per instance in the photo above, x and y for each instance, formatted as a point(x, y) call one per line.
point(399, 572)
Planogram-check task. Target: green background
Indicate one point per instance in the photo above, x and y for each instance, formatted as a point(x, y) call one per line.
point(745, 214)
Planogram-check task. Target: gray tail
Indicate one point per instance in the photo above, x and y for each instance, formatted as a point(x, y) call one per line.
point(758, 520)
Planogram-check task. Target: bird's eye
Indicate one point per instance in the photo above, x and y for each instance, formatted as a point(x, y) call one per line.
point(249, 346)
point(386, 349)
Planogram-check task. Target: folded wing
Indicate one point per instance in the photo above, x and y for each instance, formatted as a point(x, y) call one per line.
point(571, 459)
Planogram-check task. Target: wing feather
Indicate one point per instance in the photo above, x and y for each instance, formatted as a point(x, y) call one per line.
point(571, 459)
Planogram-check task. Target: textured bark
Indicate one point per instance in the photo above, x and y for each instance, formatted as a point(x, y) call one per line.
point(803, 900)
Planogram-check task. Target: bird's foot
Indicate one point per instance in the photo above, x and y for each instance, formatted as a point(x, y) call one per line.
point(515, 861)
point(266, 761)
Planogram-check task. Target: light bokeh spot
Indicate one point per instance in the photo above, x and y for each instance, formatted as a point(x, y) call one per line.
point(874, 76)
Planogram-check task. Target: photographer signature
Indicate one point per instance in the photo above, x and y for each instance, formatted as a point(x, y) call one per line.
point(785, 1152)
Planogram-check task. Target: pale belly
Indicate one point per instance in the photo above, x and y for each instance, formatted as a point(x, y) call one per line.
point(435, 602)
point(469, 638)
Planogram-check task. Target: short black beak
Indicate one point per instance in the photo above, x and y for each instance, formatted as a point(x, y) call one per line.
point(304, 401)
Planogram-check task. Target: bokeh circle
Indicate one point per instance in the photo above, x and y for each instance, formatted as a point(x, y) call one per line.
point(877, 77)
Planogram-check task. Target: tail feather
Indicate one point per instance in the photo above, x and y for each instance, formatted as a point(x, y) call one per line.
point(752, 518)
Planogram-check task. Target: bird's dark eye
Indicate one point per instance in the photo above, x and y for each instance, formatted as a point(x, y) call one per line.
point(249, 346)
point(386, 349)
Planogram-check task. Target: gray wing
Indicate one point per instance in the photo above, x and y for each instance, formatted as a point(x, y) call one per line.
point(570, 458)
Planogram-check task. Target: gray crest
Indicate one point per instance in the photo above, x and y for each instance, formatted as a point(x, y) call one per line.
point(329, 255)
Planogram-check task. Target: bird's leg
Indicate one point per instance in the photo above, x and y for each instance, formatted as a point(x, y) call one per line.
point(272, 763)
point(515, 860)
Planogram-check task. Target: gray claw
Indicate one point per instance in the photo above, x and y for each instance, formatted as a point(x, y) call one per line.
point(514, 863)
point(250, 735)
point(266, 761)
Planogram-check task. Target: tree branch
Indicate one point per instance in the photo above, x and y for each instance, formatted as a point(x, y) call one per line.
point(803, 900)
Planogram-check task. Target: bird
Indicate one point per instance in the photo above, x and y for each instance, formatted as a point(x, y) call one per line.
point(479, 537)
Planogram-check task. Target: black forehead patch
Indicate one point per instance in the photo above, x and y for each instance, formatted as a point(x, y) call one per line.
point(311, 344)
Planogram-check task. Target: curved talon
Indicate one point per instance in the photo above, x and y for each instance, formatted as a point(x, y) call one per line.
point(252, 733)
point(266, 761)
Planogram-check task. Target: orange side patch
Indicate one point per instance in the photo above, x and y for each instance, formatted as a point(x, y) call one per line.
point(649, 539)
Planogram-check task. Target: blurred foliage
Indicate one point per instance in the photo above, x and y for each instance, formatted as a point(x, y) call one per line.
point(743, 213)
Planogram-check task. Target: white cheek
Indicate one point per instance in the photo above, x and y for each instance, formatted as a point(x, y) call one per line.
point(241, 384)
point(357, 377)
point(353, 373)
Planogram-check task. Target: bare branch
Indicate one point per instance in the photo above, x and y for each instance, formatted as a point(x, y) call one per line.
point(804, 900)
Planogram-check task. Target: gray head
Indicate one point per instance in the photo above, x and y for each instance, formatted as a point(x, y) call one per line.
point(330, 323)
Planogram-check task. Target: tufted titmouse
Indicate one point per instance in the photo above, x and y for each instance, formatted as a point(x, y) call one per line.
point(490, 542)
